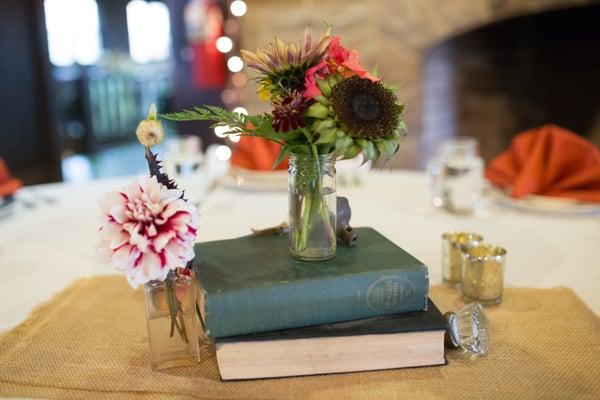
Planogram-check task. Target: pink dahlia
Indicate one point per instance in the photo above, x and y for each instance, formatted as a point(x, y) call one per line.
point(146, 230)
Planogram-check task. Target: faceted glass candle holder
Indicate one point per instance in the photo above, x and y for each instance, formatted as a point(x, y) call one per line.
point(172, 322)
point(483, 274)
point(453, 245)
point(469, 329)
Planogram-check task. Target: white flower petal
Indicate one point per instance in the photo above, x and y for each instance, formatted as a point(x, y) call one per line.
point(110, 200)
point(146, 230)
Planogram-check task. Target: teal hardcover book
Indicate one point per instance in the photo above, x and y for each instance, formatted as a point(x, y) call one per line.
point(251, 284)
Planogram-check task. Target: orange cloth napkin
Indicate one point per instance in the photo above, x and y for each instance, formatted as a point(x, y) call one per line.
point(256, 153)
point(549, 161)
point(8, 184)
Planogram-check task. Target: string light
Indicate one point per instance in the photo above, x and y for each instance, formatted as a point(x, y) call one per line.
point(223, 153)
point(239, 79)
point(235, 64)
point(221, 130)
point(229, 96)
point(238, 8)
point(224, 44)
point(240, 110)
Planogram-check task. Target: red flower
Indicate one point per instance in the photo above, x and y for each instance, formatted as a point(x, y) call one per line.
point(310, 79)
point(337, 59)
point(336, 52)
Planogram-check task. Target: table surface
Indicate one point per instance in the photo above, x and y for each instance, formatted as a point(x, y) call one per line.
point(45, 247)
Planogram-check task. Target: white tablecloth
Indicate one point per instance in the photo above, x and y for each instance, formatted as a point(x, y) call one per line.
point(43, 249)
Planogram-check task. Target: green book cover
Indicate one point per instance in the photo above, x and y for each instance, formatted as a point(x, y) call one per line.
point(251, 284)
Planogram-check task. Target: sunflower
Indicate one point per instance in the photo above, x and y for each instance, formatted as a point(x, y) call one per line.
point(283, 65)
point(365, 109)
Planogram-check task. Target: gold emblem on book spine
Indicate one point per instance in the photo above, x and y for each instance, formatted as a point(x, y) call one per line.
point(387, 292)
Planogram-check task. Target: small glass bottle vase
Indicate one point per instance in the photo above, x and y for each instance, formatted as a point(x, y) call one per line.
point(312, 207)
point(172, 322)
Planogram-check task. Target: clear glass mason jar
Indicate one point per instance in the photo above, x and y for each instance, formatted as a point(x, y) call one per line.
point(456, 176)
point(312, 207)
point(172, 322)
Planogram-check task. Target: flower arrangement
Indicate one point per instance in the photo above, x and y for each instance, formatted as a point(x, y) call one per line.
point(148, 229)
point(323, 101)
point(325, 107)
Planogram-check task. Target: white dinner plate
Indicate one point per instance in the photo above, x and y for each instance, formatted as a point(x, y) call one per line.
point(544, 204)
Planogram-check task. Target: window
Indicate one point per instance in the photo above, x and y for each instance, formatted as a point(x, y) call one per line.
point(149, 31)
point(73, 29)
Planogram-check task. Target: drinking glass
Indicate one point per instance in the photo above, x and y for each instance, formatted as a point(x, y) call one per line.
point(456, 176)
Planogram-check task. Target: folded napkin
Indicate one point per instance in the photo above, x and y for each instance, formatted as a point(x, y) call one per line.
point(8, 184)
point(549, 161)
point(257, 154)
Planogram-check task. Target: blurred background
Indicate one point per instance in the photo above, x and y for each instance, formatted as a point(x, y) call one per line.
point(77, 75)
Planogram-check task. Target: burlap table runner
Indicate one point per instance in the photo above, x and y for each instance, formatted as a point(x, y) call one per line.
point(91, 342)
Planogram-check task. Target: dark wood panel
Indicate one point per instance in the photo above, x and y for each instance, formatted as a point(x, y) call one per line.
point(27, 134)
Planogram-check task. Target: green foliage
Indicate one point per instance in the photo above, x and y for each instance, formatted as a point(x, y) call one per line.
point(322, 134)
point(239, 124)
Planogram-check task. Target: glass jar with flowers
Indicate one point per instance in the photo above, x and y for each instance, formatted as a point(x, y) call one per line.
point(326, 107)
point(148, 230)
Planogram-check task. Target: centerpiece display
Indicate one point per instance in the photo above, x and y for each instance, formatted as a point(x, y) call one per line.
point(148, 231)
point(366, 309)
point(326, 107)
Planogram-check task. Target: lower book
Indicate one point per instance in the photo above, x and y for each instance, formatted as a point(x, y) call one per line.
point(413, 339)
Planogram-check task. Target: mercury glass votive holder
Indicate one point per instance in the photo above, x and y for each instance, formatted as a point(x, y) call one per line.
point(453, 245)
point(483, 274)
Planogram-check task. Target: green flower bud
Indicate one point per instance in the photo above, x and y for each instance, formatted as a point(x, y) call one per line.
point(321, 125)
point(317, 110)
point(327, 136)
point(387, 147)
point(324, 87)
point(150, 131)
point(322, 100)
point(352, 151)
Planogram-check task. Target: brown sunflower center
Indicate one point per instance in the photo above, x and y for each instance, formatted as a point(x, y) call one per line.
point(365, 106)
point(365, 109)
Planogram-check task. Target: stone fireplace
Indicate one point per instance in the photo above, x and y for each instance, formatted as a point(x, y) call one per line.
point(443, 56)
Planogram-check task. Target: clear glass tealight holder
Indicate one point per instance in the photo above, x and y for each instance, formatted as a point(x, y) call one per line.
point(172, 323)
point(483, 274)
point(453, 245)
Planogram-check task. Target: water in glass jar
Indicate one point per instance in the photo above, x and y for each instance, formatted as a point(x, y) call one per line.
point(172, 351)
point(315, 213)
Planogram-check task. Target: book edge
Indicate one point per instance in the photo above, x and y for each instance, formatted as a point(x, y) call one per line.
point(440, 342)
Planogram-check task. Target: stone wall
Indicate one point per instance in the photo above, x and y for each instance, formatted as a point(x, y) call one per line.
point(393, 33)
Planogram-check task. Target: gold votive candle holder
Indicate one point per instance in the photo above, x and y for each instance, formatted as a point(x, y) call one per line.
point(453, 245)
point(483, 274)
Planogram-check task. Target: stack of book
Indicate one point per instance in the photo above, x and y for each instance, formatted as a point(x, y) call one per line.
point(272, 316)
